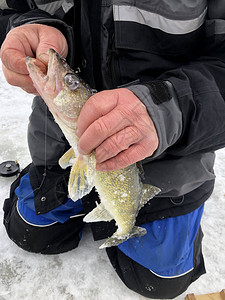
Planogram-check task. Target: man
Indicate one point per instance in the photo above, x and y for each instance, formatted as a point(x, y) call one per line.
point(170, 114)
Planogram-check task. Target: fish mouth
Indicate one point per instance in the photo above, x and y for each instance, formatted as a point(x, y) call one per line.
point(54, 61)
point(54, 74)
point(52, 82)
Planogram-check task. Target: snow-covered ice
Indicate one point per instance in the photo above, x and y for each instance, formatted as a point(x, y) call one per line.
point(85, 273)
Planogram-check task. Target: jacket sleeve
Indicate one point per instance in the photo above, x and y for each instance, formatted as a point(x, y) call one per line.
point(9, 9)
point(10, 18)
point(187, 104)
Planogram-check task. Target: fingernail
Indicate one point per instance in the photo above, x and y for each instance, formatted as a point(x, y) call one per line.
point(43, 57)
point(80, 150)
point(78, 133)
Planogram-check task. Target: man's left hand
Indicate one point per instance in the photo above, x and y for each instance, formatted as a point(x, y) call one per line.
point(116, 124)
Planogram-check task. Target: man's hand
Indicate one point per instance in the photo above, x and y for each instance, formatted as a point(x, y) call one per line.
point(117, 126)
point(29, 40)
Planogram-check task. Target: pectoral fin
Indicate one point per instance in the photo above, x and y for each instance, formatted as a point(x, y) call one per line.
point(148, 192)
point(78, 183)
point(67, 159)
point(98, 214)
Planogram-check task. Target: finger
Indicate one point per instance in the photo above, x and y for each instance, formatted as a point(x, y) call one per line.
point(32, 91)
point(13, 78)
point(21, 80)
point(117, 143)
point(104, 127)
point(124, 159)
point(14, 60)
point(16, 63)
point(97, 106)
point(50, 38)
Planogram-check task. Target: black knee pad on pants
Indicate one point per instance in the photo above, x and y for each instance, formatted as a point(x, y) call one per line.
point(144, 282)
point(53, 239)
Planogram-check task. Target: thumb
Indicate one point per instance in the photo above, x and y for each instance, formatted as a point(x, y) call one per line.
point(50, 37)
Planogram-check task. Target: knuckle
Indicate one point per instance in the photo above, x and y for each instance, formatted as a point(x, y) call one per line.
point(113, 146)
point(117, 141)
point(126, 114)
point(121, 140)
point(107, 150)
point(134, 134)
point(101, 127)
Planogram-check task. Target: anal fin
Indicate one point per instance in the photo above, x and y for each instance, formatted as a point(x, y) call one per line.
point(98, 214)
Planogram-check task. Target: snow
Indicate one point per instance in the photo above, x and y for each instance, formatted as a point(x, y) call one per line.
point(85, 273)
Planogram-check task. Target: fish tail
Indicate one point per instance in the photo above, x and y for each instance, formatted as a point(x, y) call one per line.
point(116, 239)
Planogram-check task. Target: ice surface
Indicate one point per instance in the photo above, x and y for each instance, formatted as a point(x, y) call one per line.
point(85, 273)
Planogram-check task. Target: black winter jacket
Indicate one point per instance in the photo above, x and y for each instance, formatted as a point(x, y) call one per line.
point(171, 54)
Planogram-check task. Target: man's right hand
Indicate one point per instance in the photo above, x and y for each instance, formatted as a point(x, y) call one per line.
point(29, 40)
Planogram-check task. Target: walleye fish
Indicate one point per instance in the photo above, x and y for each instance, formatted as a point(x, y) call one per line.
point(121, 192)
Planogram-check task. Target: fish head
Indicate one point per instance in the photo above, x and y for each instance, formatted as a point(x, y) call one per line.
point(61, 88)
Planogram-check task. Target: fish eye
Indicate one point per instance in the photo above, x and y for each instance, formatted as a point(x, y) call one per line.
point(71, 81)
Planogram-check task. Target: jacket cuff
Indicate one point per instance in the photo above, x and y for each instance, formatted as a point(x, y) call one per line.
point(161, 102)
point(40, 17)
